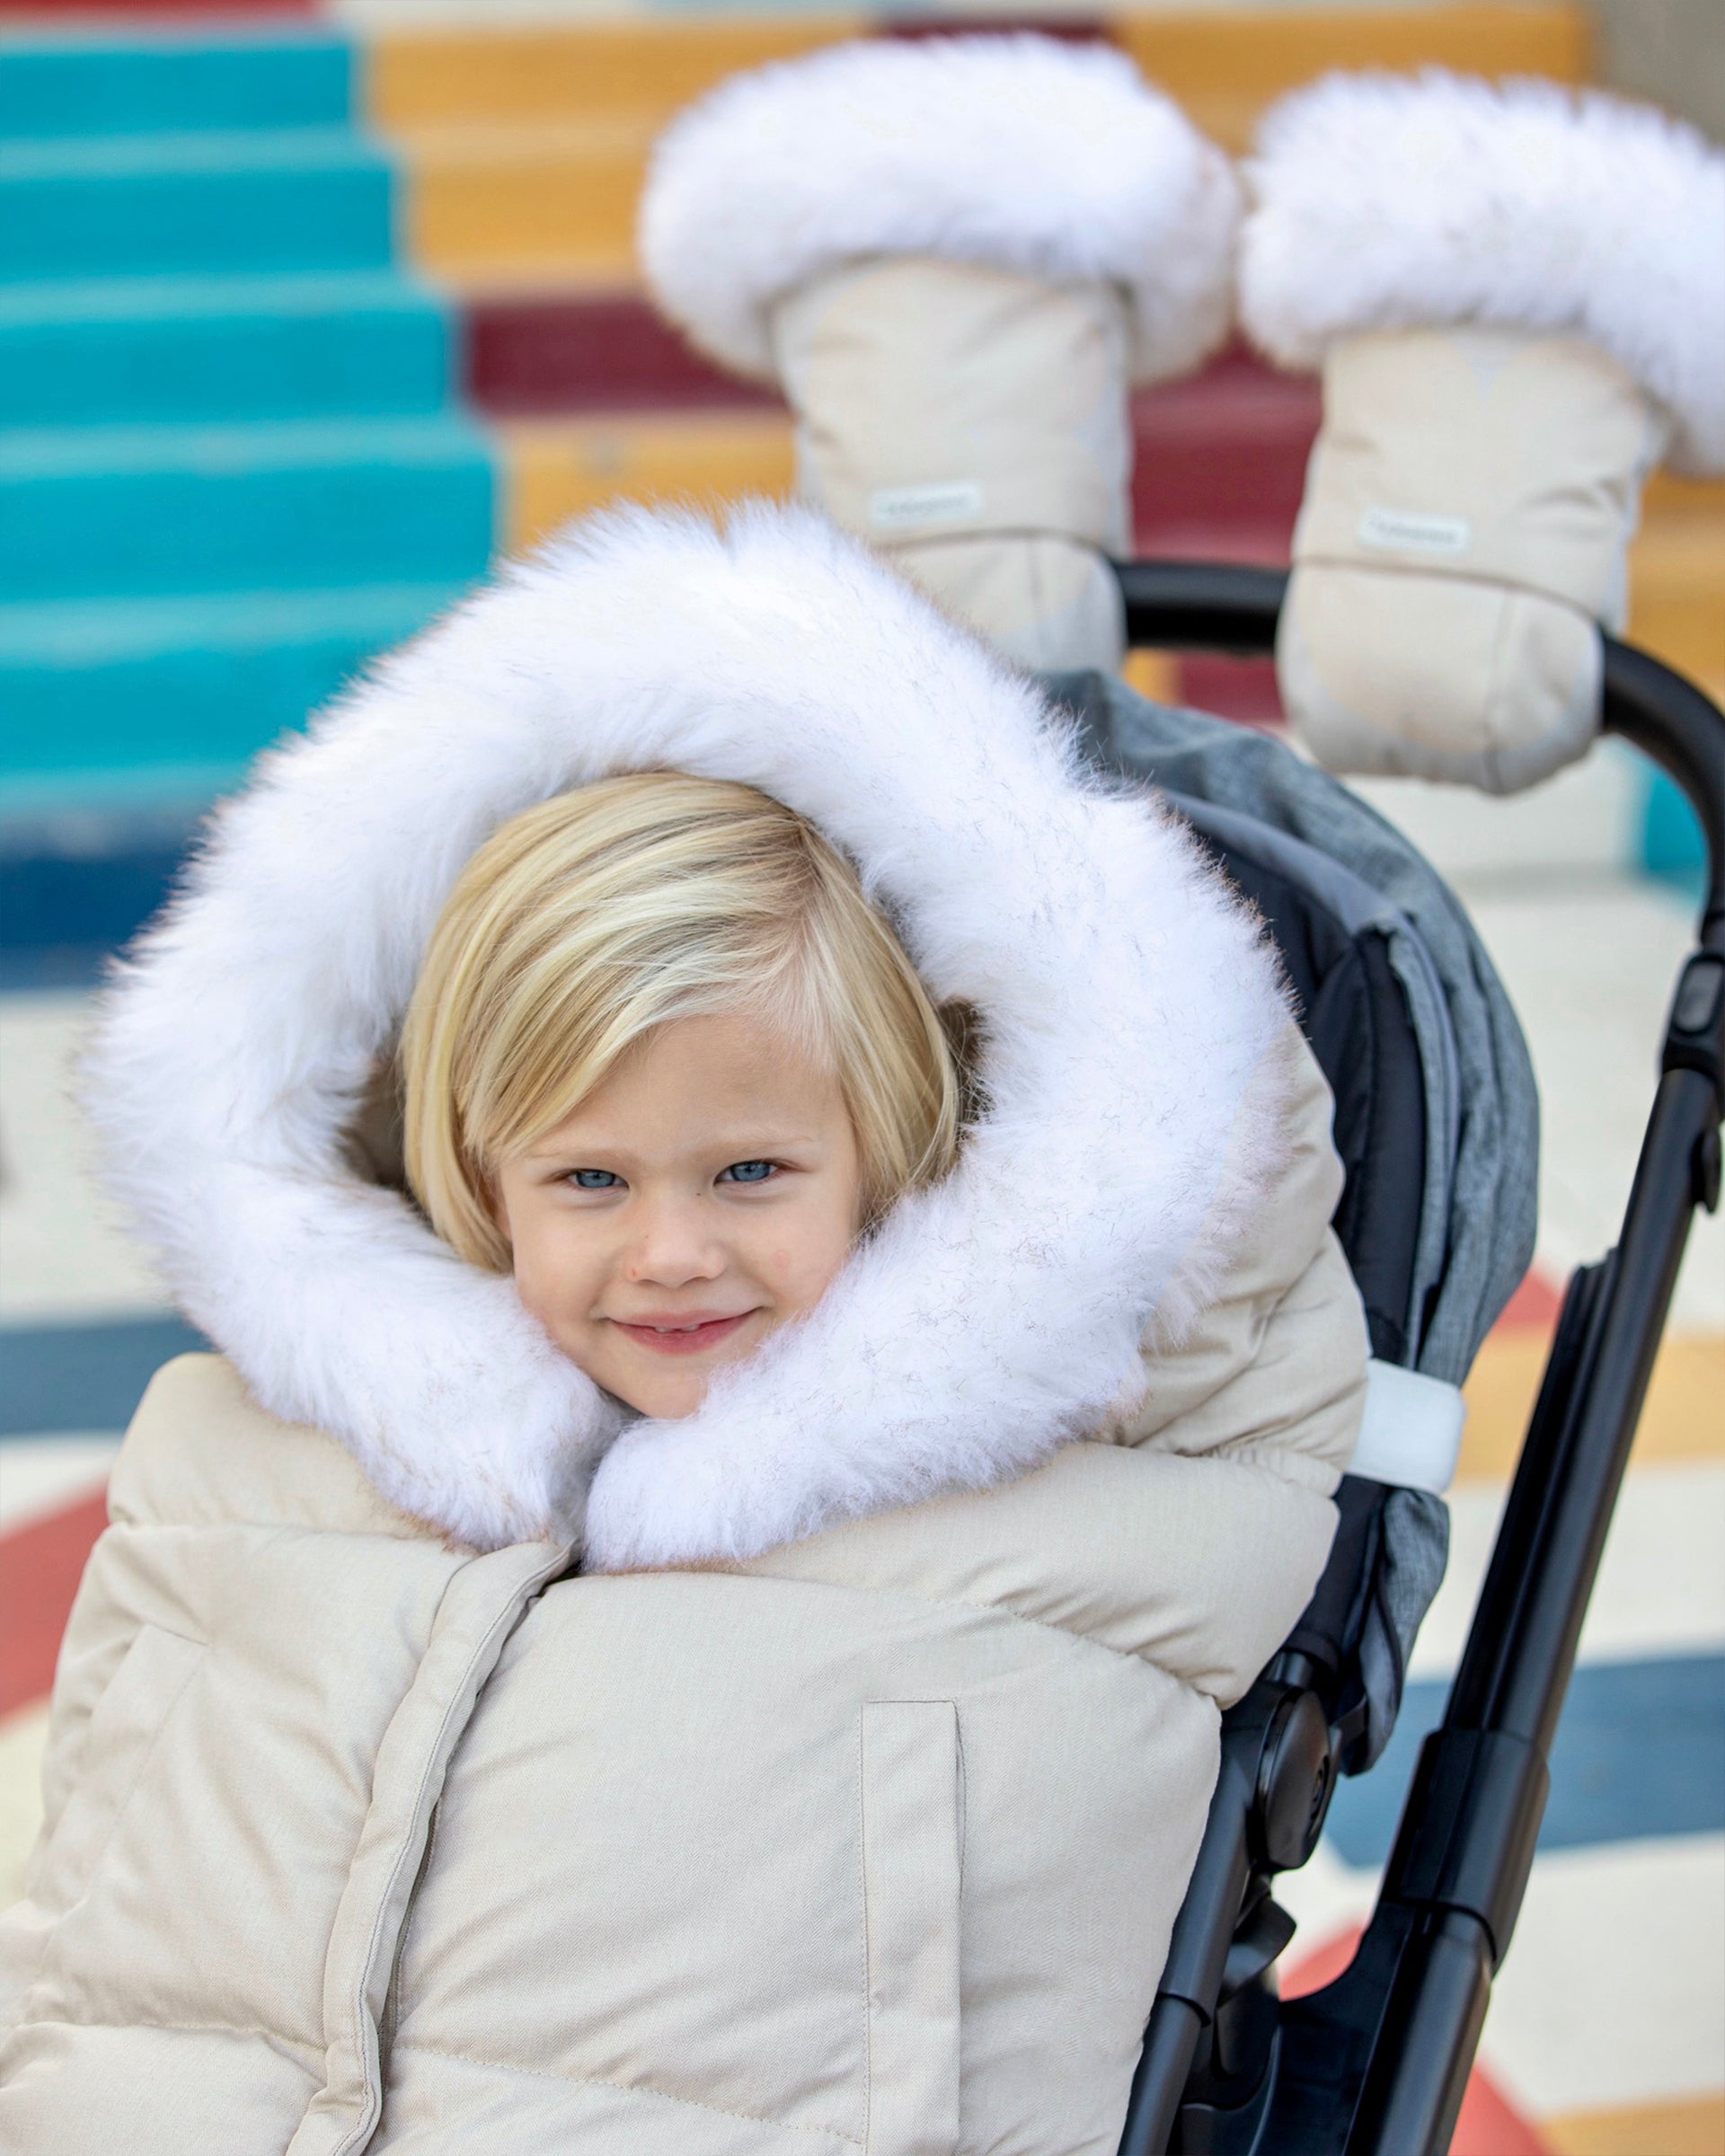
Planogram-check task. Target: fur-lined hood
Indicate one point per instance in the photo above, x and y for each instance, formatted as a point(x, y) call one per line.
point(1125, 999)
point(1392, 202)
point(1014, 151)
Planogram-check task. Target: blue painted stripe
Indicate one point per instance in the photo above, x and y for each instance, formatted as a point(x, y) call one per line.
point(320, 199)
point(136, 512)
point(1639, 1753)
point(84, 1377)
point(212, 349)
point(153, 84)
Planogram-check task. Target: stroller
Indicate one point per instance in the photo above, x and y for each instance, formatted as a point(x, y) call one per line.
point(1436, 1126)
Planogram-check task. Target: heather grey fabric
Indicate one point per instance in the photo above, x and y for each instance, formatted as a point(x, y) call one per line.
point(1478, 1208)
point(1489, 1241)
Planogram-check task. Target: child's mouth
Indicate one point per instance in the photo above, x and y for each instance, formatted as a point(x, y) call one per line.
point(684, 1335)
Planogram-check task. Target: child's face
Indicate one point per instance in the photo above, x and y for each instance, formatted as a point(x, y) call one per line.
point(703, 1195)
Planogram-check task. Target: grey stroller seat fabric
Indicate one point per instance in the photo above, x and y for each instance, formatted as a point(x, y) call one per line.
point(1472, 1176)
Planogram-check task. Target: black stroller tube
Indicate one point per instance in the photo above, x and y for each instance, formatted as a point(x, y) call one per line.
point(1465, 1844)
point(1465, 1848)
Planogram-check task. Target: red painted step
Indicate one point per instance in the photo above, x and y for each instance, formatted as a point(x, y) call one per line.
point(605, 351)
point(1223, 451)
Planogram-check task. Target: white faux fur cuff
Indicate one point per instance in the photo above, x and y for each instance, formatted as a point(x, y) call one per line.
point(1126, 1001)
point(1017, 152)
point(1389, 202)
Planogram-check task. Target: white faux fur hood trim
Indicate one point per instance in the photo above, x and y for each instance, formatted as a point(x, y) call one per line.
point(1013, 152)
point(1126, 998)
point(1415, 202)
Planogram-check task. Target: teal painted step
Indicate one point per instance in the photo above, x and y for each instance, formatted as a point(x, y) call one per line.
point(314, 198)
point(124, 692)
point(221, 349)
point(172, 80)
point(137, 512)
point(1672, 845)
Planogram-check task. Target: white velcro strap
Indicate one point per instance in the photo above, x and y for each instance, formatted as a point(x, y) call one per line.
point(1411, 1434)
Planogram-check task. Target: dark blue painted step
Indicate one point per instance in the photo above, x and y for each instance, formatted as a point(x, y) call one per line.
point(307, 199)
point(84, 1377)
point(79, 881)
point(171, 81)
point(221, 349)
point(126, 689)
point(154, 511)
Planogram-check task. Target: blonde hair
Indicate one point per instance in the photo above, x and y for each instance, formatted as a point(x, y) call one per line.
point(584, 923)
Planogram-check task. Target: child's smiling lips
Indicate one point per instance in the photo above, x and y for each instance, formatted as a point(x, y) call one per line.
point(682, 1333)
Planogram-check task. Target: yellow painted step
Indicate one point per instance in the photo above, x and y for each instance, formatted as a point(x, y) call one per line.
point(1676, 589)
point(1680, 1421)
point(419, 77)
point(558, 468)
point(490, 201)
point(525, 145)
point(1692, 2126)
point(1225, 65)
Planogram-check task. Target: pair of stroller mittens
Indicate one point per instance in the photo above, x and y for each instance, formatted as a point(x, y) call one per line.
point(957, 257)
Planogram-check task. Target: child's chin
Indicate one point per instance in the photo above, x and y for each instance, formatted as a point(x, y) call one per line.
point(675, 1389)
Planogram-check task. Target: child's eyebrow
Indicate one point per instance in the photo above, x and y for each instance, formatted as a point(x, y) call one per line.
point(745, 1144)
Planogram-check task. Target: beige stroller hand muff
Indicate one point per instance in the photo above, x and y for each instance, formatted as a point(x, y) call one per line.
point(1517, 301)
point(956, 256)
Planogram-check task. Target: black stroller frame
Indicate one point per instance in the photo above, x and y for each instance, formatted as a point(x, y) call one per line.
point(1375, 2062)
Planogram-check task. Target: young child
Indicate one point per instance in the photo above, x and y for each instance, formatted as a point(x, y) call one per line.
point(706, 1634)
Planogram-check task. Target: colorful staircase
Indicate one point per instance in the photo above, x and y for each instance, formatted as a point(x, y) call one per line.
point(298, 325)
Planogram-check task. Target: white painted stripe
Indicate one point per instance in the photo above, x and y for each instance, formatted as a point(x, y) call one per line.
point(44, 1475)
point(1661, 1585)
point(23, 1737)
point(1590, 965)
point(66, 1255)
point(1613, 1989)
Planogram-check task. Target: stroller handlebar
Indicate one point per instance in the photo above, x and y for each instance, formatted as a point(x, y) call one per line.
point(1225, 606)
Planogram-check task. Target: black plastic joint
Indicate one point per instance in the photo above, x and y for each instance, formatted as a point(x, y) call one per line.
point(1468, 1831)
point(1694, 1034)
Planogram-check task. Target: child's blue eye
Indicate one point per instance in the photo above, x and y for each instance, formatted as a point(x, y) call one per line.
point(594, 1179)
point(749, 1172)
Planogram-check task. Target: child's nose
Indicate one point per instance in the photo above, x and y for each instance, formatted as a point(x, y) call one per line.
point(675, 1245)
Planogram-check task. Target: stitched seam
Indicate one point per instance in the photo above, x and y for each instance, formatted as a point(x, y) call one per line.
point(595, 2081)
point(308, 2045)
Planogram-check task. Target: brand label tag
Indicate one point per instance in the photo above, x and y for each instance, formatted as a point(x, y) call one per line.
point(945, 501)
point(1414, 532)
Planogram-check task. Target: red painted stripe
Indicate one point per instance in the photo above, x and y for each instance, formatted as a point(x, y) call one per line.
point(41, 1566)
point(589, 352)
point(1243, 689)
point(1225, 449)
point(1489, 2125)
point(1533, 1306)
